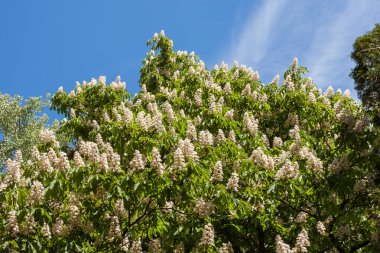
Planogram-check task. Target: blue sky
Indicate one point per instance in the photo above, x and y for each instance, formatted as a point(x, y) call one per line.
point(45, 44)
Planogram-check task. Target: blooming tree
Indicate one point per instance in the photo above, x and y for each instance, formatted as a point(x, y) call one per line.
point(197, 161)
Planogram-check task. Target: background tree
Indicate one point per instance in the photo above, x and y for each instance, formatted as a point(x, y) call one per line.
point(20, 124)
point(366, 73)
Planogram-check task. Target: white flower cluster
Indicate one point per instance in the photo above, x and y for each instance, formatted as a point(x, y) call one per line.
point(217, 175)
point(229, 114)
point(313, 163)
point(114, 231)
point(301, 217)
point(275, 79)
point(188, 149)
point(78, 161)
point(179, 159)
point(168, 207)
point(124, 246)
point(206, 138)
point(251, 124)
point(126, 114)
point(302, 242)
point(277, 142)
point(144, 120)
point(119, 208)
point(198, 97)
point(246, 92)
point(226, 248)
point(155, 246)
point(292, 120)
point(212, 105)
point(156, 118)
point(13, 171)
point(137, 163)
point(62, 162)
point(59, 228)
point(220, 138)
point(180, 248)
point(171, 94)
point(74, 215)
point(12, 224)
point(117, 84)
point(136, 246)
point(46, 231)
point(89, 150)
point(203, 208)
point(156, 162)
point(233, 182)
point(169, 111)
point(191, 131)
point(207, 236)
point(261, 159)
point(37, 192)
point(232, 136)
point(288, 171)
point(29, 225)
point(288, 84)
point(227, 89)
point(321, 228)
point(47, 136)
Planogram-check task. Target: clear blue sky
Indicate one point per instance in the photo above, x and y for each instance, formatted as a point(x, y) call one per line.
point(45, 44)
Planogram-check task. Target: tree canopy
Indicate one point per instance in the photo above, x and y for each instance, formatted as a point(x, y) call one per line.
point(198, 161)
point(366, 73)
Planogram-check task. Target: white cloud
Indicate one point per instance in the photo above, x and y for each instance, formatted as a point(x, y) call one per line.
point(328, 57)
point(251, 45)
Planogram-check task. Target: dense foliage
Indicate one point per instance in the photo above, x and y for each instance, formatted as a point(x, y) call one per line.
point(366, 54)
point(198, 161)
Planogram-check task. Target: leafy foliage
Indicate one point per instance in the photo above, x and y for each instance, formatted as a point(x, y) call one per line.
point(198, 161)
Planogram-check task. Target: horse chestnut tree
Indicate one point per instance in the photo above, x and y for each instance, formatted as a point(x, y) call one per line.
point(198, 161)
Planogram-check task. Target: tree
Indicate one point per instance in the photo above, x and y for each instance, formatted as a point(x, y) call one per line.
point(197, 161)
point(20, 125)
point(366, 74)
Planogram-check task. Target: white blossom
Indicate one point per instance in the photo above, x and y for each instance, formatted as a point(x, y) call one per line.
point(302, 242)
point(46, 231)
point(233, 182)
point(12, 224)
point(203, 208)
point(218, 172)
point(136, 246)
point(137, 163)
point(37, 192)
point(191, 131)
point(321, 228)
point(226, 248)
point(114, 231)
point(206, 138)
point(156, 161)
point(227, 89)
point(155, 246)
point(207, 236)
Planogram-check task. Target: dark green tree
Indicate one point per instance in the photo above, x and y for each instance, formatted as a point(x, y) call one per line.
point(366, 74)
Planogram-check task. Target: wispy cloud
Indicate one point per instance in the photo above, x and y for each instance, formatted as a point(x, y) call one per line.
point(329, 54)
point(320, 33)
point(251, 44)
